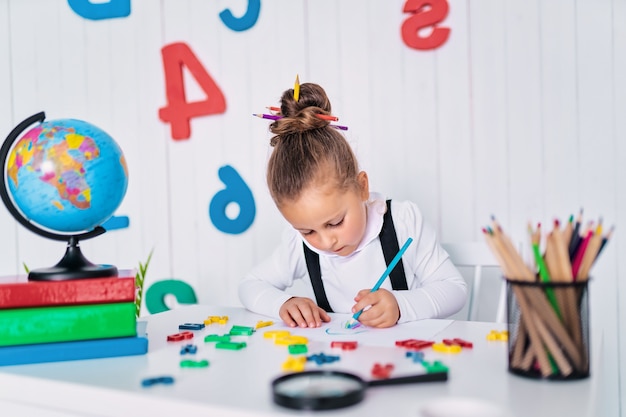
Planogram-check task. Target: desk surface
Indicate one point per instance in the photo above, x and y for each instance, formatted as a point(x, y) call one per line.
point(237, 383)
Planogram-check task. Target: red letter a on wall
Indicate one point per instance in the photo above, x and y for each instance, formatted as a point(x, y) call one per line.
point(178, 111)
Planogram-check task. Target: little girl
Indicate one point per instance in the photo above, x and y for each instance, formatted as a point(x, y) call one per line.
point(343, 236)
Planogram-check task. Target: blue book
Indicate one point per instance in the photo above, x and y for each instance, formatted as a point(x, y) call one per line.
point(70, 351)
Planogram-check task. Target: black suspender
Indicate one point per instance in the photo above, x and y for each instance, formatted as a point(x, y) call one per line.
point(389, 243)
point(313, 265)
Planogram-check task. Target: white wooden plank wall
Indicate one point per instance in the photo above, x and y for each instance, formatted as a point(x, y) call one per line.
point(518, 114)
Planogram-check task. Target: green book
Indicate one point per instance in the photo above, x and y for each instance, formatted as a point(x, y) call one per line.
point(23, 326)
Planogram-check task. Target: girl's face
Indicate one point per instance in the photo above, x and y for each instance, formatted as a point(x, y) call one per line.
point(330, 219)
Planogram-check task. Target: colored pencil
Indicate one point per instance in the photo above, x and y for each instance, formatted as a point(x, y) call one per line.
point(327, 117)
point(267, 116)
point(541, 266)
point(535, 237)
point(568, 230)
point(382, 278)
point(575, 237)
point(605, 239)
point(296, 89)
point(321, 116)
point(590, 253)
point(580, 252)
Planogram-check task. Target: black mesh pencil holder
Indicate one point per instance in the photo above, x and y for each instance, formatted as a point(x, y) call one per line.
point(548, 327)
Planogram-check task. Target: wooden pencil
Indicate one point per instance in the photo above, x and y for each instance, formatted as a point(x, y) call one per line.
point(605, 240)
point(575, 238)
point(551, 344)
point(590, 254)
point(568, 230)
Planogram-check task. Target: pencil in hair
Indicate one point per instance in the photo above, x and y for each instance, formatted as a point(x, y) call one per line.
point(267, 116)
point(327, 117)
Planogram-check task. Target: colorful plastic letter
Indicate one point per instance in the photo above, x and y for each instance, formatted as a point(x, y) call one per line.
point(382, 371)
point(179, 336)
point(321, 358)
point(502, 336)
point(156, 293)
point(294, 363)
point(297, 349)
point(188, 363)
point(262, 323)
point(414, 344)
point(217, 338)
point(191, 326)
point(241, 331)
point(166, 380)
point(273, 334)
point(344, 345)
point(443, 348)
point(415, 355)
point(434, 367)
point(192, 349)
point(230, 345)
point(457, 341)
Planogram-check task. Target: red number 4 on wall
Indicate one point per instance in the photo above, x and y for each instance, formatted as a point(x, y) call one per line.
point(178, 111)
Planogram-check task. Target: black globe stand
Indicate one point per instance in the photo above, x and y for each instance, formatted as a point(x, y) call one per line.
point(73, 265)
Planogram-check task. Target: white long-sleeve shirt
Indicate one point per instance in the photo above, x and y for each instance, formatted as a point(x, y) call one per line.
point(436, 289)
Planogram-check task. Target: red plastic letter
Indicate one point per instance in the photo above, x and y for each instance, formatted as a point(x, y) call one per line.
point(425, 13)
point(178, 111)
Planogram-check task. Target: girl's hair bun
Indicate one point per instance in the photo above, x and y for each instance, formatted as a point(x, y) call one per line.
point(302, 115)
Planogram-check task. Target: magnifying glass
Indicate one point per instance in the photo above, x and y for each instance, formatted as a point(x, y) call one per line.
point(327, 390)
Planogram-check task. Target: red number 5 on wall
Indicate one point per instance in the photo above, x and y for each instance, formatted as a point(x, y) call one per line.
point(424, 14)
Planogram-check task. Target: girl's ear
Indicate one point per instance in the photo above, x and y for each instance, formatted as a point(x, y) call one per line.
point(364, 186)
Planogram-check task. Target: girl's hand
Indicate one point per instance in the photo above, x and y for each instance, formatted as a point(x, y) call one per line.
point(303, 312)
point(383, 308)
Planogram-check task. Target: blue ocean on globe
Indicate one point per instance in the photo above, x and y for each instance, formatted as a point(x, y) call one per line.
point(66, 175)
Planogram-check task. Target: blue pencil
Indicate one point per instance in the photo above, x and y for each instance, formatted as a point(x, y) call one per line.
point(382, 278)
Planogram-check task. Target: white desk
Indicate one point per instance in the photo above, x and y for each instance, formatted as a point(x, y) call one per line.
point(237, 383)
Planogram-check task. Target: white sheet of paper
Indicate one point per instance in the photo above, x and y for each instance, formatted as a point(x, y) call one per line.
point(369, 336)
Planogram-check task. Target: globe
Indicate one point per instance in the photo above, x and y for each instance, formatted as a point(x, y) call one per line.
point(63, 179)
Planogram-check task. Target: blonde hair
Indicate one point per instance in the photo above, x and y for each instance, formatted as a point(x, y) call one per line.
point(306, 147)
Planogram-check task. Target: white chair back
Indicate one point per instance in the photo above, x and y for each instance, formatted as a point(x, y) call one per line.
point(478, 256)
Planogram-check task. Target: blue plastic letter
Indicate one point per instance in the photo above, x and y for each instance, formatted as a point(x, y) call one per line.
point(99, 11)
point(236, 191)
point(244, 22)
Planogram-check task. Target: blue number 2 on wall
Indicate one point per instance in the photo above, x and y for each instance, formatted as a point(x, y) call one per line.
point(100, 10)
point(237, 192)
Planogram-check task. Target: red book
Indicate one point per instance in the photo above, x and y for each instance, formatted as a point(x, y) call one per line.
point(19, 292)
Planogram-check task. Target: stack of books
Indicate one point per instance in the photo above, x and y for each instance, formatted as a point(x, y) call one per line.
point(50, 321)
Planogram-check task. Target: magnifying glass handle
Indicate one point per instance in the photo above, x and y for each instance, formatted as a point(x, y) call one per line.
point(430, 377)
